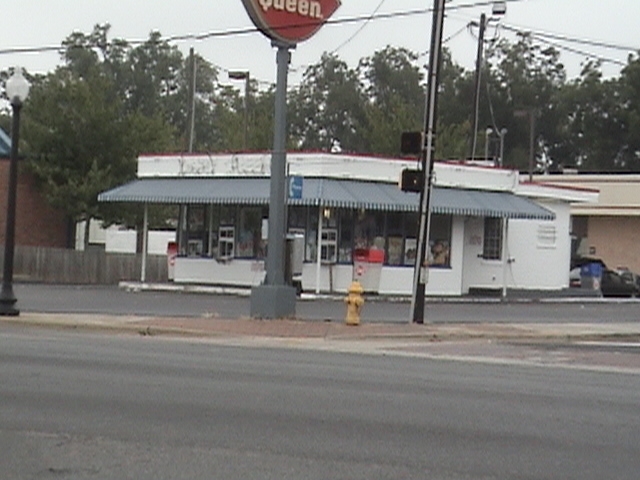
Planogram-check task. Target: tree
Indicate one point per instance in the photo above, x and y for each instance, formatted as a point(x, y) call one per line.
point(327, 109)
point(629, 99)
point(81, 131)
point(76, 142)
point(395, 98)
point(524, 77)
point(592, 136)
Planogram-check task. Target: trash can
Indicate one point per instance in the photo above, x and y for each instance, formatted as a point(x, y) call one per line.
point(367, 267)
point(591, 275)
point(172, 253)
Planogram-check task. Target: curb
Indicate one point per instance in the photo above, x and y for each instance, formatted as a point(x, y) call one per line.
point(526, 297)
point(333, 332)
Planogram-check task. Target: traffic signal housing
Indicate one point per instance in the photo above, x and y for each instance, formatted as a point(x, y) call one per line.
point(411, 142)
point(411, 180)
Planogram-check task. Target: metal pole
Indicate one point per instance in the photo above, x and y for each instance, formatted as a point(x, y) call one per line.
point(246, 76)
point(7, 297)
point(192, 100)
point(503, 132)
point(247, 86)
point(487, 132)
point(505, 255)
point(532, 128)
point(319, 249)
point(276, 299)
point(420, 274)
point(476, 91)
point(145, 243)
point(275, 254)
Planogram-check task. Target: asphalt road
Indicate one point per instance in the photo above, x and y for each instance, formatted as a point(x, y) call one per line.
point(81, 406)
point(41, 298)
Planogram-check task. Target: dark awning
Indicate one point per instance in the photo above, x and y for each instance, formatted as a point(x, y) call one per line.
point(326, 192)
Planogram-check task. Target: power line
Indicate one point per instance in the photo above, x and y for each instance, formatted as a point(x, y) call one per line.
point(362, 27)
point(580, 52)
point(250, 30)
point(543, 37)
point(580, 41)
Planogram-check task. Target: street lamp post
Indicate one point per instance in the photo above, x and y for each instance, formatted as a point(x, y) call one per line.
point(502, 133)
point(531, 114)
point(239, 75)
point(17, 89)
point(487, 136)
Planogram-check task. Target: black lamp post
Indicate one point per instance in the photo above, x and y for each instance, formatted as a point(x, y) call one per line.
point(17, 89)
point(239, 75)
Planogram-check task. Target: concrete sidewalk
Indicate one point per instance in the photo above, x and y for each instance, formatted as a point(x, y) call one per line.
point(334, 331)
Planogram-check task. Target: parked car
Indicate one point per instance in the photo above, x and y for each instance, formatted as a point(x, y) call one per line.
point(613, 283)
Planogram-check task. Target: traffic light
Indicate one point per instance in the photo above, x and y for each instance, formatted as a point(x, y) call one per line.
point(411, 142)
point(411, 180)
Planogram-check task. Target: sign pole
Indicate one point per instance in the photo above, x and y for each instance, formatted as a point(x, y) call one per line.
point(286, 24)
point(278, 194)
point(420, 274)
point(276, 299)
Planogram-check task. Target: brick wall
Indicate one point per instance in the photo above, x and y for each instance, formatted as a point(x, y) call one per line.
point(37, 224)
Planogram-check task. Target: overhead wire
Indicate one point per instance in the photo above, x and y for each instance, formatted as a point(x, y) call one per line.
point(544, 37)
point(362, 27)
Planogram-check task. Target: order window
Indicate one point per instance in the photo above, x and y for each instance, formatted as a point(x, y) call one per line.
point(226, 242)
point(329, 245)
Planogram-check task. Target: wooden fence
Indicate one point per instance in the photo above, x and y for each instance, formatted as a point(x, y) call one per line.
point(93, 266)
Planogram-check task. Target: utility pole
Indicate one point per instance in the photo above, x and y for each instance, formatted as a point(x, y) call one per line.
point(476, 91)
point(421, 270)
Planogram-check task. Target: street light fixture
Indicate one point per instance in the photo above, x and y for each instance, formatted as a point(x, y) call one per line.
point(244, 75)
point(17, 89)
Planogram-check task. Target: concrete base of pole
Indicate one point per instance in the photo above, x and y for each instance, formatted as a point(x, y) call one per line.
point(8, 303)
point(273, 301)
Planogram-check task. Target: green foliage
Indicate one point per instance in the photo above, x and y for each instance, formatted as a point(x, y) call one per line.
point(86, 122)
point(328, 108)
point(75, 135)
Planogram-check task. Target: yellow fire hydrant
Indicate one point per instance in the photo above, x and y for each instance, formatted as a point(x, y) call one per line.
point(354, 303)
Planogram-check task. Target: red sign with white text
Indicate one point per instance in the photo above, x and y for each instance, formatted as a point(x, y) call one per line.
point(290, 21)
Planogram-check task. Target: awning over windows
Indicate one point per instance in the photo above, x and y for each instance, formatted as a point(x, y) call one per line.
point(326, 192)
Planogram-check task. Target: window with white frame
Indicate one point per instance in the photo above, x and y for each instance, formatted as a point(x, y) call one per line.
point(329, 245)
point(492, 245)
point(226, 242)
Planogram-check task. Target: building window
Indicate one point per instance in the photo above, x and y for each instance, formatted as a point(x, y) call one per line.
point(250, 243)
point(439, 254)
point(395, 238)
point(346, 236)
point(492, 246)
point(193, 233)
point(329, 246)
point(226, 242)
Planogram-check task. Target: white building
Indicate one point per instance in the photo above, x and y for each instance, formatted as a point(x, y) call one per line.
point(352, 207)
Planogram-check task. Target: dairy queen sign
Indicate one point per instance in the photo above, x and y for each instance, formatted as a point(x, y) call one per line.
point(290, 21)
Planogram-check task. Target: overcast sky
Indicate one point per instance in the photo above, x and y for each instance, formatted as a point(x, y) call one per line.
point(41, 23)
